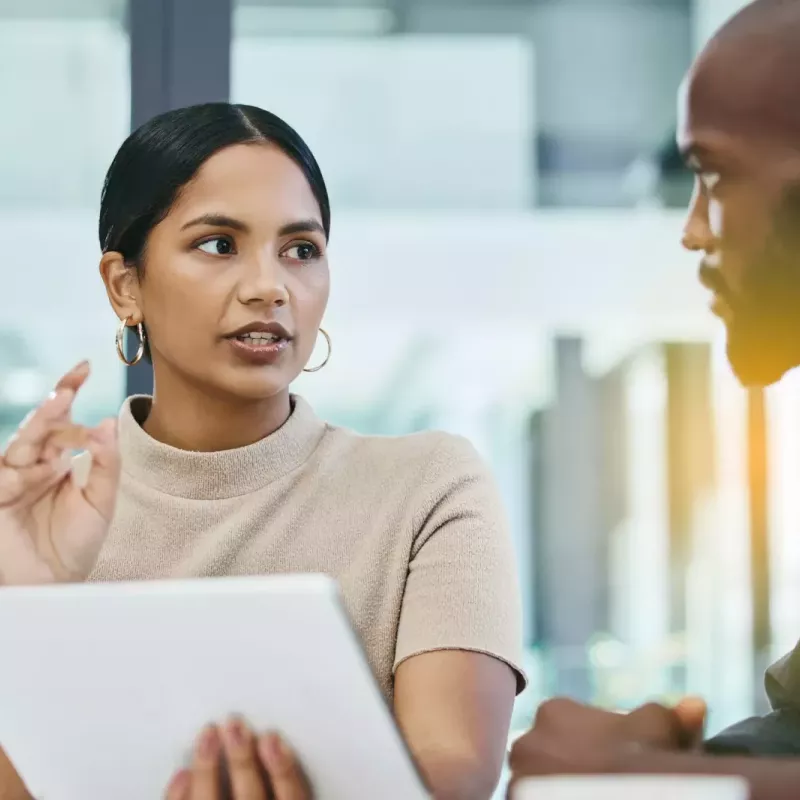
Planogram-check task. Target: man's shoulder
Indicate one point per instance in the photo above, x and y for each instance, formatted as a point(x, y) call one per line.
point(782, 682)
point(777, 733)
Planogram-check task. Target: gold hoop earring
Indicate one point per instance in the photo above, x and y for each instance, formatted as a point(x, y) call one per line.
point(327, 357)
point(121, 343)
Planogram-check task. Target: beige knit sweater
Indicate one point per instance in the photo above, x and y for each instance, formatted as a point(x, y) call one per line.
point(411, 527)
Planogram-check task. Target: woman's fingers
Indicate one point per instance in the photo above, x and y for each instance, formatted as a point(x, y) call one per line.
point(75, 378)
point(27, 446)
point(180, 786)
point(24, 487)
point(27, 484)
point(66, 436)
point(205, 766)
point(101, 486)
point(253, 768)
point(285, 773)
point(244, 770)
point(69, 436)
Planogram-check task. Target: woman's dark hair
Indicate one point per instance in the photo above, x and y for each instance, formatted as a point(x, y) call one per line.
point(161, 157)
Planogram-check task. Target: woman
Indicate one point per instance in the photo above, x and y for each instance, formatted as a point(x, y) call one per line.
point(214, 227)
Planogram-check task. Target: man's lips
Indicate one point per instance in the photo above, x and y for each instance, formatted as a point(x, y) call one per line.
point(711, 278)
point(720, 308)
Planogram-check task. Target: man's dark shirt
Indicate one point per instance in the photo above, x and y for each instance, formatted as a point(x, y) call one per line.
point(777, 733)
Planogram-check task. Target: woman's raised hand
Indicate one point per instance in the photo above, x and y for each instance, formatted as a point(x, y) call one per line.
point(52, 527)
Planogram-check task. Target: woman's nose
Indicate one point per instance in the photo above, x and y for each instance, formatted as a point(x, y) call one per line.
point(264, 283)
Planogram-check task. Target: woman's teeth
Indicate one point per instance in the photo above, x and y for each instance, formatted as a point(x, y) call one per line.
point(258, 338)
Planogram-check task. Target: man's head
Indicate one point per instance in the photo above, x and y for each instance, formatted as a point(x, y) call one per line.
point(739, 130)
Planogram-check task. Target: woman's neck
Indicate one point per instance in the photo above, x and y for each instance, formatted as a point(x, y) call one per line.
point(190, 419)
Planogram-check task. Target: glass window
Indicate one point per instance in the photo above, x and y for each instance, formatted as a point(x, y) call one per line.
point(413, 121)
point(443, 128)
point(65, 91)
point(440, 127)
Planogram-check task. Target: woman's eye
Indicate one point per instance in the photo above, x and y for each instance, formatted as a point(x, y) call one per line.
point(218, 246)
point(305, 251)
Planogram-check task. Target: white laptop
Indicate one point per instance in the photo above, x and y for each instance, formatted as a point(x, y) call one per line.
point(104, 687)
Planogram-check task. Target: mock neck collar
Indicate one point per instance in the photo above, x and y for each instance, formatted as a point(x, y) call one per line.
point(221, 474)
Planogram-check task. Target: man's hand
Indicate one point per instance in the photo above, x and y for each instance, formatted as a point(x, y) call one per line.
point(230, 763)
point(570, 738)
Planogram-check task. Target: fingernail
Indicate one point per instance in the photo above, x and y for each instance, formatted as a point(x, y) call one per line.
point(82, 365)
point(236, 733)
point(272, 751)
point(179, 785)
point(208, 745)
point(285, 753)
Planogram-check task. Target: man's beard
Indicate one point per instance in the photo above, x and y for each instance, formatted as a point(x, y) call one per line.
point(764, 328)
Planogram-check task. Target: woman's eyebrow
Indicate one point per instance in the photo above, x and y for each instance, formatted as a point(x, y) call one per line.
point(302, 226)
point(224, 221)
point(217, 221)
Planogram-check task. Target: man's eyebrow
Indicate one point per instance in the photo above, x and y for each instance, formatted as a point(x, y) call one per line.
point(216, 221)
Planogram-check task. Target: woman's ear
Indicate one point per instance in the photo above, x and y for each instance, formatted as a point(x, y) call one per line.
point(122, 287)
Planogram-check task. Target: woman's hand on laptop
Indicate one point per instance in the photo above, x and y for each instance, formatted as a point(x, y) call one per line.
point(255, 768)
point(51, 528)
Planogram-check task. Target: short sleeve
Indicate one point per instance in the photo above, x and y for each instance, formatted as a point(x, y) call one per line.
point(462, 590)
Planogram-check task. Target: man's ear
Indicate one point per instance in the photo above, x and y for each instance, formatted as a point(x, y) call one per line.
point(122, 287)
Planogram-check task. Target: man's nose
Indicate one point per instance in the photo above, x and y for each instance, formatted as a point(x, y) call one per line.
point(696, 237)
point(697, 231)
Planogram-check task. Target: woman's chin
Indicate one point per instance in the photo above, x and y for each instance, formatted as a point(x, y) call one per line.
point(251, 384)
point(256, 389)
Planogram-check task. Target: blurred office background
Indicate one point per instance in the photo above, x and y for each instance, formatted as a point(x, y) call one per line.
point(507, 208)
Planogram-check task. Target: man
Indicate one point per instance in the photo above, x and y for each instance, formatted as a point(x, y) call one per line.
point(739, 131)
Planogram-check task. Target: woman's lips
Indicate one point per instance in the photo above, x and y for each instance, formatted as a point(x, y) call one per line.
point(259, 353)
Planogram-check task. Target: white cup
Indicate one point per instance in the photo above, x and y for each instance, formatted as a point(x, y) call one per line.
point(633, 787)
